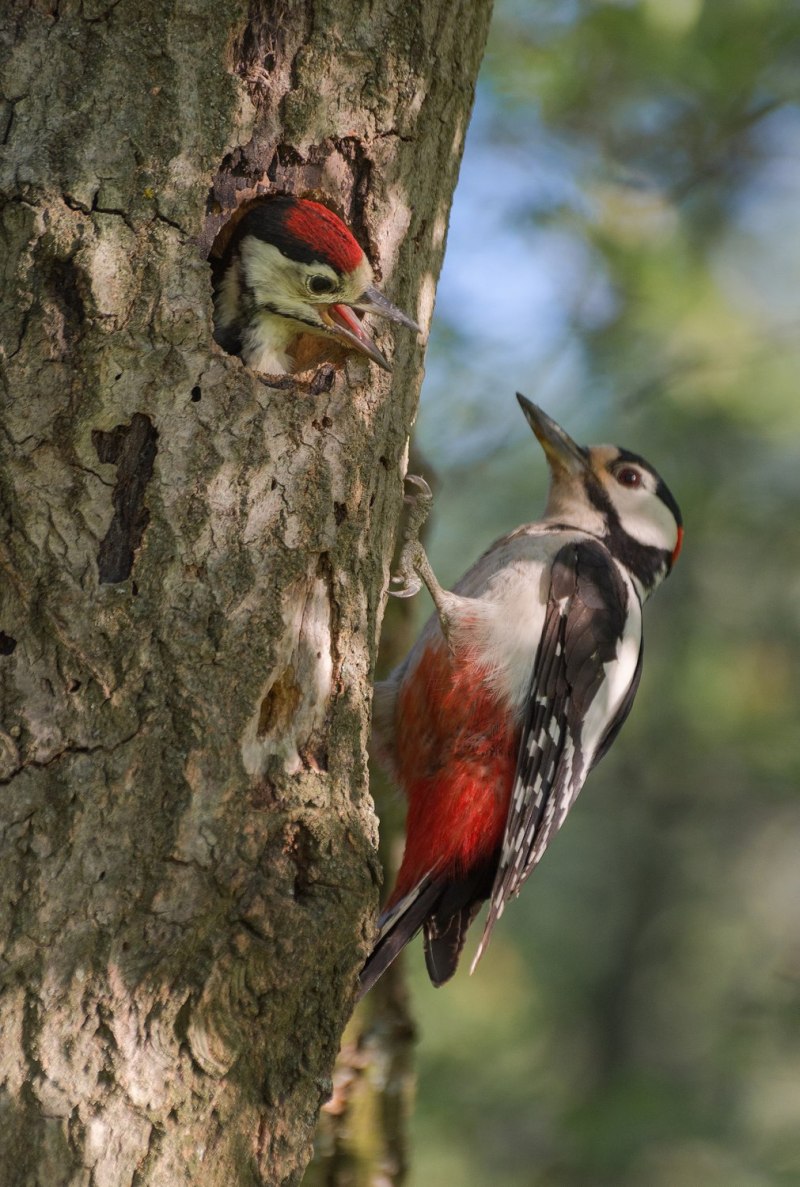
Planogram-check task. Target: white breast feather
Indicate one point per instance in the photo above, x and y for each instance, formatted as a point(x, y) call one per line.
point(265, 342)
point(501, 608)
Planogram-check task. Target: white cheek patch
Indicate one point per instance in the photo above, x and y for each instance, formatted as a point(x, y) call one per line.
point(643, 515)
point(267, 272)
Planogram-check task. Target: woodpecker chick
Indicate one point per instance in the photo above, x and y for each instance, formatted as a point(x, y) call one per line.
point(515, 689)
point(293, 271)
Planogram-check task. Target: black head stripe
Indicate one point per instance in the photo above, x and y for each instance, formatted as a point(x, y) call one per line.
point(646, 563)
point(597, 496)
point(267, 221)
point(627, 455)
point(668, 499)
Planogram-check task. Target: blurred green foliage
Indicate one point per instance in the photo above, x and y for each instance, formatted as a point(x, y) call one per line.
point(625, 248)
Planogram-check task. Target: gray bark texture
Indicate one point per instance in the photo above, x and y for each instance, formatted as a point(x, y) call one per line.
point(192, 570)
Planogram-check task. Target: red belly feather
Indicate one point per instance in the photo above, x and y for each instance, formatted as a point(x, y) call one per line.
point(456, 758)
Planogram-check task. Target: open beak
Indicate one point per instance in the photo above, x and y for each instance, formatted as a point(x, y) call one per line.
point(343, 324)
point(373, 301)
point(560, 450)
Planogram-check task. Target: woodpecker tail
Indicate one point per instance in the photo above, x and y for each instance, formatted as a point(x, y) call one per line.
point(444, 908)
point(398, 925)
point(445, 934)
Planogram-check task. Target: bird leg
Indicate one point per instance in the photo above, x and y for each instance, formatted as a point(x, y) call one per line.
point(414, 568)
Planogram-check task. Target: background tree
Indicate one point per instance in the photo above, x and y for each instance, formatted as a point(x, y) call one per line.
point(192, 565)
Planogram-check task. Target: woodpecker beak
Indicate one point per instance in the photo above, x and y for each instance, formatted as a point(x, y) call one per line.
point(373, 301)
point(560, 450)
point(343, 324)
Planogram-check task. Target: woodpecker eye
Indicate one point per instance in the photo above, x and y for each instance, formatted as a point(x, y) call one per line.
point(627, 476)
point(320, 284)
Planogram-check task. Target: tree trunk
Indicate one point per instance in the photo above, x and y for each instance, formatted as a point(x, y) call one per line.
point(192, 567)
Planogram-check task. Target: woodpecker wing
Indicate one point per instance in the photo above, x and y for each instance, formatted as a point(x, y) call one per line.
point(584, 679)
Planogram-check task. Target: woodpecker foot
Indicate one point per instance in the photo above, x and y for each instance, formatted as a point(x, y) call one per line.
point(413, 561)
point(414, 567)
point(419, 502)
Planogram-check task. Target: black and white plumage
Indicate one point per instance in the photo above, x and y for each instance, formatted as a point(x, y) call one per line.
point(569, 724)
point(515, 689)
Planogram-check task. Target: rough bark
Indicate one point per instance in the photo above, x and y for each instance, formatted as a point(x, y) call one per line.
point(192, 567)
point(362, 1138)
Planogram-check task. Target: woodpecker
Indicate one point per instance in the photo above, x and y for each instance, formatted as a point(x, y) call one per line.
point(287, 285)
point(515, 689)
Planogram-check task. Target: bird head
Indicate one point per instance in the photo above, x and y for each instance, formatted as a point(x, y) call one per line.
point(293, 259)
point(612, 493)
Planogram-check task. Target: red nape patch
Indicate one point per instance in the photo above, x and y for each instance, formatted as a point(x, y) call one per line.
point(456, 758)
point(676, 552)
point(321, 229)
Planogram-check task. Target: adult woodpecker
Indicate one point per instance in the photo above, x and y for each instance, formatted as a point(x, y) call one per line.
point(287, 285)
point(515, 689)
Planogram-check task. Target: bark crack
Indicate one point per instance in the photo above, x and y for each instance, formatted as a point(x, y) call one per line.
point(169, 222)
point(68, 749)
point(132, 449)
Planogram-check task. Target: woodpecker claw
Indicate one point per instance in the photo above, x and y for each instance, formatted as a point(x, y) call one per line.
point(412, 556)
point(412, 585)
point(414, 566)
point(418, 481)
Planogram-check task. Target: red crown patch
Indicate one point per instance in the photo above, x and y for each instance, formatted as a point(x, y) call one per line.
point(321, 229)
